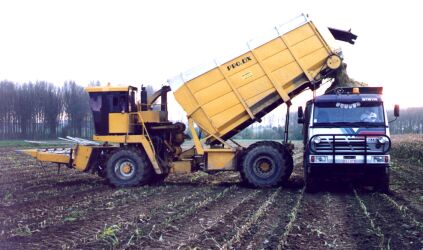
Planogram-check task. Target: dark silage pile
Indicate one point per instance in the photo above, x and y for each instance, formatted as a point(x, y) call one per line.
point(342, 80)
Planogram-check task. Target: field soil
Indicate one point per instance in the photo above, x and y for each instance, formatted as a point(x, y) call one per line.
point(41, 208)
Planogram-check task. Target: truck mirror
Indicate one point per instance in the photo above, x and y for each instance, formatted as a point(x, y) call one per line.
point(300, 115)
point(396, 110)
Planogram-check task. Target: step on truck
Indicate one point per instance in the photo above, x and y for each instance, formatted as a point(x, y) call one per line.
point(346, 135)
point(135, 143)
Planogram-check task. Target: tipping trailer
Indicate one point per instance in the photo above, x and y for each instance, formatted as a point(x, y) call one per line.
point(139, 145)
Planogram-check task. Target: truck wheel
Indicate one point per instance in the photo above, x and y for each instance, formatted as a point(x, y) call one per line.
point(309, 182)
point(127, 168)
point(264, 165)
point(383, 183)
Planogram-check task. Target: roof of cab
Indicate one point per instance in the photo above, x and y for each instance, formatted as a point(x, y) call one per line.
point(349, 98)
point(109, 88)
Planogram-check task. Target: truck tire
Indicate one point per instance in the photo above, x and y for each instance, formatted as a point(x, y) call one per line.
point(266, 164)
point(310, 183)
point(382, 184)
point(128, 168)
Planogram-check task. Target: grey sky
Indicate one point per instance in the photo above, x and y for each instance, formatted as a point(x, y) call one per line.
point(135, 42)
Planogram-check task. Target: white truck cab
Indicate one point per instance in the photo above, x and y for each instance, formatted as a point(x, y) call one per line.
point(346, 135)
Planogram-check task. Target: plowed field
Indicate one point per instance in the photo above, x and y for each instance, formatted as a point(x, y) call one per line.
point(40, 208)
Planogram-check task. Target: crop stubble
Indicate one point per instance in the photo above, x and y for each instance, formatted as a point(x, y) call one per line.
point(73, 210)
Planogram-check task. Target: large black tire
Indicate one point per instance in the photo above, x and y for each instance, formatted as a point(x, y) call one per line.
point(266, 164)
point(382, 182)
point(128, 168)
point(310, 182)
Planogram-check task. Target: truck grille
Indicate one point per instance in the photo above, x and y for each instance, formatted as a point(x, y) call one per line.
point(344, 144)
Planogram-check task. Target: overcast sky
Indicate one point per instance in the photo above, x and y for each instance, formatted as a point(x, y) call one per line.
point(148, 42)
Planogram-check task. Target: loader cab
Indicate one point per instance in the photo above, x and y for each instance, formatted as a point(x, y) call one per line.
point(110, 107)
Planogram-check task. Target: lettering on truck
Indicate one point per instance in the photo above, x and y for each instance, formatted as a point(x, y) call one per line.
point(239, 63)
point(369, 99)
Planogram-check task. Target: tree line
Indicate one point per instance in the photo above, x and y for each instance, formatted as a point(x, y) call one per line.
point(43, 110)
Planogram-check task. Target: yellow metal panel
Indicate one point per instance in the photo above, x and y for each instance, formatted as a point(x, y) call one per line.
point(231, 94)
point(279, 60)
point(254, 88)
point(187, 100)
point(52, 157)
point(239, 63)
point(272, 79)
point(150, 116)
point(234, 89)
point(260, 96)
point(181, 167)
point(229, 115)
point(270, 49)
point(314, 60)
point(47, 156)
point(119, 138)
point(246, 76)
point(151, 155)
point(212, 92)
point(220, 160)
point(195, 138)
point(287, 73)
point(119, 123)
point(229, 127)
point(201, 120)
point(299, 34)
point(82, 157)
point(307, 46)
point(205, 80)
point(220, 104)
point(31, 152)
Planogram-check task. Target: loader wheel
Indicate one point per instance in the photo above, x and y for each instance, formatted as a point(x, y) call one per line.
point(265, 164)
point(127, 168)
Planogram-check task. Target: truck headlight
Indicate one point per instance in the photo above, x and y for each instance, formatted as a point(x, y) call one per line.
point(317, 140)
point(382, 140)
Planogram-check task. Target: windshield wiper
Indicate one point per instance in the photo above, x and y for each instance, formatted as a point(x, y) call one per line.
point(325, 124)
point(367, 124)
point(349, 124)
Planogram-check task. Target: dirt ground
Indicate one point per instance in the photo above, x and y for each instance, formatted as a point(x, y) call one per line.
point(40, 209)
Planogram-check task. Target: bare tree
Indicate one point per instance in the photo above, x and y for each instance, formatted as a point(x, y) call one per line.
point(75, 105)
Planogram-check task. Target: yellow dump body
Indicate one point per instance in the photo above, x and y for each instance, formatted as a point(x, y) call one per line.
point(227, 97)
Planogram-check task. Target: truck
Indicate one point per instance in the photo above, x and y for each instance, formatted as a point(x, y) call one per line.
point(346, 136)
point(136, 144)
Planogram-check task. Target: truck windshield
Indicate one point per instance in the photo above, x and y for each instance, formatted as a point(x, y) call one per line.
point(349, 114)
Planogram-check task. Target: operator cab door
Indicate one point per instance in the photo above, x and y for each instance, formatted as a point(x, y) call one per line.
point(119, 117)
point(110, 112)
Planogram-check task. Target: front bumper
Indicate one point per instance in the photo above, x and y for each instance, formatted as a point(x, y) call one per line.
point(322, 159)
point(347, 171)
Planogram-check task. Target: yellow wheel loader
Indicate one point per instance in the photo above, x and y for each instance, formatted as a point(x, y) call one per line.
point(136, 144)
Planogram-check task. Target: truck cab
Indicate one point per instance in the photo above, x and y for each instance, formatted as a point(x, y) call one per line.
point(346, 135)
